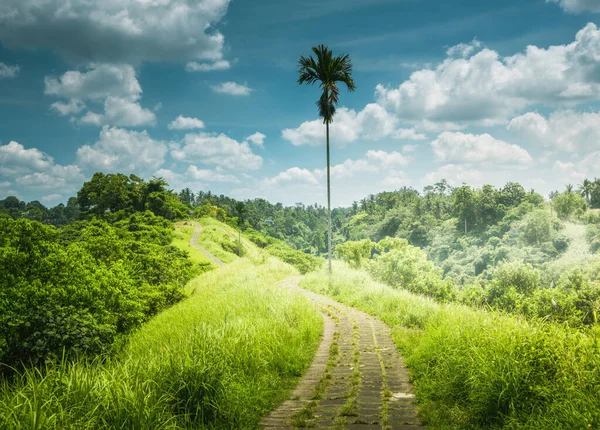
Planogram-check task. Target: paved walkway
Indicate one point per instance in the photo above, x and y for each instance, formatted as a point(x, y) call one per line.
point(356, 381)
point(194, 243)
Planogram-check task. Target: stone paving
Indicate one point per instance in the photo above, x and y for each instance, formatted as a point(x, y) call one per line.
point(356, 381)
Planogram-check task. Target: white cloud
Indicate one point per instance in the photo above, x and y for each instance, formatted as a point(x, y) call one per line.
point(371, 123)
point(563, 130)
point(7, 71)
point(232, 88)
point(218, 150)
point(464, 50)
point(15, 159)
point(578, 6)
point(96, 83)
point(294, 175)
point(206, 175)
point(120, 112)
point(72, 107)
point(409, 148)
point(569, 173)
point(185, 123)
point(257, 139)
point(33, 169)
point(487, 89)
point(126, 31)
point(119, 150)
point(455, 175)
point(51, 198)
point(194, 66)
point(116, 85)
point(471, 148)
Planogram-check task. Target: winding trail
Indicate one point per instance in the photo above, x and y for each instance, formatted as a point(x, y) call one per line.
point(195, 244)
point(357, 379)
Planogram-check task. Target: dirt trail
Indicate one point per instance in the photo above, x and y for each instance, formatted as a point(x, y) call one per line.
point(194, 243)
point(357, 380)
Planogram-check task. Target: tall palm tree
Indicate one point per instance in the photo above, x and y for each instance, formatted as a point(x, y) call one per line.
point(240, 211)
point(569, 188)
point(328, 71)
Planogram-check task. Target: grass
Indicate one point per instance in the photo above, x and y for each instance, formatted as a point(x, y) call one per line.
point(181, 239)
point(481, 369)
point(221, 241)
point(220, 359)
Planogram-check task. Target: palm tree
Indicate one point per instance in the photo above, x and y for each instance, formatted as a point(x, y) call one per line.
point(240, 210)
point(328, 71)
point(586, 189)
point(569, 188)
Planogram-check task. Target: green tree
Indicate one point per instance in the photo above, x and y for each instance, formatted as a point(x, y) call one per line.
point(240, 211)
point(568, 203)
point(328, 70)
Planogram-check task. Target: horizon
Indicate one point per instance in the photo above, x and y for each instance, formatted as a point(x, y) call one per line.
point(472, 93)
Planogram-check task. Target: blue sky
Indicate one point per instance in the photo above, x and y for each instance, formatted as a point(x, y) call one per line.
point(204, 94)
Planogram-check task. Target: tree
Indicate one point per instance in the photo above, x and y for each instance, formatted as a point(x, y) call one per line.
point(240, 211)
point(328, 70)
point(586, 189)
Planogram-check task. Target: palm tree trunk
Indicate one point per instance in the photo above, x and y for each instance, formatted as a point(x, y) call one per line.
point(328, 199)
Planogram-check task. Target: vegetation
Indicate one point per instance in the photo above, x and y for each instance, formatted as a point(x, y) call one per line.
point(481, 369)
point(78, 289)
point(220, 359)
point(328, 71)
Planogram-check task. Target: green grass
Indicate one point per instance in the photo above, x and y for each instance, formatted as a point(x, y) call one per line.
point(181, 239)
point(221, 241)
point(478, 369)
point(220, 359)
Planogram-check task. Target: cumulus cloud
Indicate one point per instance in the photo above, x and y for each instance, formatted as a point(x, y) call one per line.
point(119, 150)
point(207, 175)
point(464, 50)
point(71, 107)
point(459, 147)
point(218, 150)
point(125, 31)
point(374, 162)
point(116, 85)
point(120, 112)
point(486, 89)
point(232, 88)
point(96, 83)
point(455, 175)
point(371, 123)
point(194, 66)
point(185, 123)
point(257, 139)
point(563, 130)
point(7, 71)
point(578, 6)
point(15, 159)
point(33, 169)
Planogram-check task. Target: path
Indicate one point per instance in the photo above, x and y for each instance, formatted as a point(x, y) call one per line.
point(194, 243)
point(356, 381)
point(579, 247)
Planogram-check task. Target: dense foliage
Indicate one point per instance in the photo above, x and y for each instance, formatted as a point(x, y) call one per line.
point(77, 289)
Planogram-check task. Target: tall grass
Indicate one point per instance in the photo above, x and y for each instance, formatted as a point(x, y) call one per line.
point(220, 359)
point(181, 239)
point(478, 369)
point(222, 241)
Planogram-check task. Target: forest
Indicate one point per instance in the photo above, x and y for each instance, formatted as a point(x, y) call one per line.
point(88, 291)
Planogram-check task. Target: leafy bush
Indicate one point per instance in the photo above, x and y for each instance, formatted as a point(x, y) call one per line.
point(303, 262)
point(80, 288)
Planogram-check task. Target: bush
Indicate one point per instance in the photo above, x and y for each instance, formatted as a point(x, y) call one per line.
point(303, 262)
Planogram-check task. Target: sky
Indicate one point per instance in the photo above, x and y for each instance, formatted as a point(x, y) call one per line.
point(204, 93)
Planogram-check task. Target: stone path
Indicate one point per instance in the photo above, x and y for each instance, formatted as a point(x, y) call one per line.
point(356, 381)
point(194, 243)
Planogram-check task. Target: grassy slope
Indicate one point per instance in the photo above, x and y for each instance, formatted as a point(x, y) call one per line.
point(181, 239)
point(478, 369)
point(214, 233)
point(220, 359)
